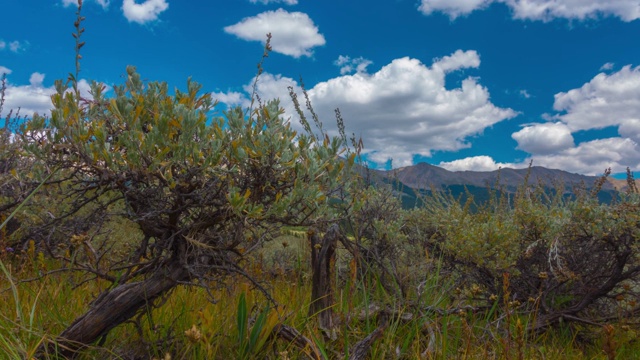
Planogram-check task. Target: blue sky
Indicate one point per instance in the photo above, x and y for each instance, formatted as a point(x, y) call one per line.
point(463, 84)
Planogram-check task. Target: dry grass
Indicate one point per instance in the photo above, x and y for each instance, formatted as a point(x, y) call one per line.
point(189, 325)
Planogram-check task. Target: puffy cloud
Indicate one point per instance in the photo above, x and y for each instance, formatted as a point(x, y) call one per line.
point(142, 13)
point(606, 100)
point(294, 33)
point(477, 163)
point(544, 138)
point(230, 98)
point(103, 3)
point(458, 60)
point(593, 157)
point(85, 88)
point(545, 10)
point(36, 79)
point(288, 2)
point(3, 44)
point(630, 129)
point(30, 98)
point(268, 87)
point(4, 71)
point(35, 97)
point(588, 158)
point(348, 65)
point(525, 94)
point(402, 110)
point(626, 10)
point(271, 86)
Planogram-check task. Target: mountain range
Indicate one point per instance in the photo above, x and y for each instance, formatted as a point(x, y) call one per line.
point(422, 178)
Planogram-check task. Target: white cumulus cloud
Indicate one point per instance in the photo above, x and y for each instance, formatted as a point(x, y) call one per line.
point(35, 97)
point(30, 98)
point(630, 129)
point(36, 79)
point(626, 10)
point(401, 110)
point(458, 60)
point(231, 98)
point(293, 33)
point(4, 70)
point(607, 100)
point(593, 157)
point(544, 138)
point(588, 158)
point(477, 163)
point(545, 10)
point(404, 109)
point(147, 11)
point(271, 86)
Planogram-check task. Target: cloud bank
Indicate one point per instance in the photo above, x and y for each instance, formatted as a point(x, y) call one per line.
point(476, 163)
point(403, 109)
point(607, 100)
point(145, 12)
point(544, 10)
point(34, 97)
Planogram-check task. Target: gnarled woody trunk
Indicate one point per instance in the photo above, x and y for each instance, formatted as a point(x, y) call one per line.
point(114, 307)
point(322, 259)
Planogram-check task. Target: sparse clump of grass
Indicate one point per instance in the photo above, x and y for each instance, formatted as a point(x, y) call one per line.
point(189, 328)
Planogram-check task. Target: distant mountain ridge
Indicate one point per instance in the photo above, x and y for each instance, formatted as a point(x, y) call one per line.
point(412, 180)
point(425, 176)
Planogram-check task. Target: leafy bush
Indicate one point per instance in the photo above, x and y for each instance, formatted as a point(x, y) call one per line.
point(574, 260)
point(14, 184)
point(201, 192)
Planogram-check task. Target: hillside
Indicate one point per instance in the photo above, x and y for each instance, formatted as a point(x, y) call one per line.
point(425, 177)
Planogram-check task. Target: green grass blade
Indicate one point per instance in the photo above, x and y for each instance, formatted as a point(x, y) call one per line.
point(256, 330)
point(14, 290)
point(242, 321)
